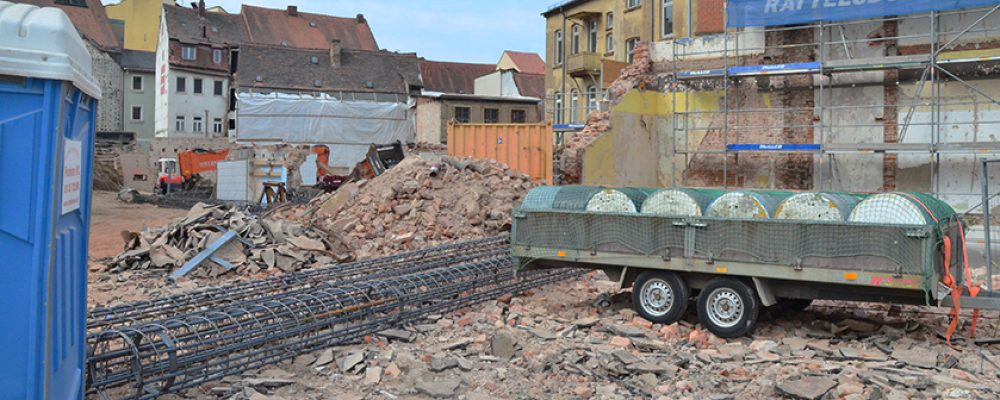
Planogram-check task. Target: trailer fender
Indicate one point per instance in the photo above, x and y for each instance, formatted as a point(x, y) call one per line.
point(625, 276)
point(763, 287)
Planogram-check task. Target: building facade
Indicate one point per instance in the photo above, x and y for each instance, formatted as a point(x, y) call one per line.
point(142, 21)
point(478, 93)
point(588, 42)
point(139, 100)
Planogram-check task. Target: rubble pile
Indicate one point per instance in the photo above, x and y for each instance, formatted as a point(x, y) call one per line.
point(558, 343)
point(417, 204)
point(598, 122)
point(262, 245)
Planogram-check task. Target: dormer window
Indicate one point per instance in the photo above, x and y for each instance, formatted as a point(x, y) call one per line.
point(189, 53)
point(317, 83)
point(217, 56)
point(259, 78)
point(312, 24)
point(314, 60)
point(284, 44)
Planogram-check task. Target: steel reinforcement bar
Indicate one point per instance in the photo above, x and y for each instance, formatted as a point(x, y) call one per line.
point(398, 264)
point(150, 359)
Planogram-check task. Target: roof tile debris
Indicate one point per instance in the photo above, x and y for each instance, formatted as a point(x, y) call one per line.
point(452, 77)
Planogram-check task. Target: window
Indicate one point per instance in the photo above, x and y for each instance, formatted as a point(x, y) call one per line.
point(217, 56)
point(574, 101)
point(181, 84)
point(196, 124)
point(462, 114)
point(218, 88)
point(609, 47)
point(668, 19)
point(630, 49)
point(591, 99)
point(189, 53)
point(217, 125)
point(558, 109)
point(575, 40)
point(559, 47)
point(179, 124)
point(137, 83)
point(197, 85)
point(630, 4)
point(491, 115)
point(137, 113)
point(518, 116)
point(232, 124)
point(592, 36)
point(609, 21)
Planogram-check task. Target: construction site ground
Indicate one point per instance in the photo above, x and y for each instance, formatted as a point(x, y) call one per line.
point(577, 339)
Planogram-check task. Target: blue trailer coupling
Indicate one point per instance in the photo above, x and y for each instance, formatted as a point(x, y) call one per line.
point(48, 102)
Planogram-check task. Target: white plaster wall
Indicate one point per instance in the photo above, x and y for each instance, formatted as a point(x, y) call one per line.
point(489, 85)
point(205, 105)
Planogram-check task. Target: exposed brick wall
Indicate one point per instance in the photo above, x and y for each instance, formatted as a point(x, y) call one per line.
point(110, 77)
point(710, 16)
point(890, 162)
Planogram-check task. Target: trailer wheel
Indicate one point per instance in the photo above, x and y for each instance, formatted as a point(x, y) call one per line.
point(660, 296)
point(728, 307)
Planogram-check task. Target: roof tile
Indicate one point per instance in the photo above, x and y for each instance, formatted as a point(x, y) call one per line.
point(452, 77)
point(91, 21)
point(306, 30)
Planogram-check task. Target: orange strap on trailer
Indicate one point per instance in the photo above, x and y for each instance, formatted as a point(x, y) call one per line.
point(949, 279)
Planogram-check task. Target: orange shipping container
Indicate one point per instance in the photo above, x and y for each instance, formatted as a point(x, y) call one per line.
point(526, 148)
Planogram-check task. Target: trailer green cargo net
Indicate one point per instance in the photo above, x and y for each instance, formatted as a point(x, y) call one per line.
point(885, 247)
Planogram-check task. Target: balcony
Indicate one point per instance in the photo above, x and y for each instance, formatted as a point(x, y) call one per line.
point(583, 65)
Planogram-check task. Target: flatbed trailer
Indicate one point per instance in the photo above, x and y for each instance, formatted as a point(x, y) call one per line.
point(737, 266)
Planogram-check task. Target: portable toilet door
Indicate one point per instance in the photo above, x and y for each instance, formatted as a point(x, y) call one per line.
point(48, 101)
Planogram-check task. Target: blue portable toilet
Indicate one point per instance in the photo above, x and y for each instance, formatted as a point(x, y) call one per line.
point(48, 102)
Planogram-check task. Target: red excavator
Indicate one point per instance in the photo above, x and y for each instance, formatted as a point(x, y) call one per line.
point(191, 163)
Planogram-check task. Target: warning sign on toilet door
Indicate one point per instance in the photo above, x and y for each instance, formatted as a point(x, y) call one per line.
point(71, 175)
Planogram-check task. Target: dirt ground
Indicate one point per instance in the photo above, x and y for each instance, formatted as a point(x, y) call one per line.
point(109, 217)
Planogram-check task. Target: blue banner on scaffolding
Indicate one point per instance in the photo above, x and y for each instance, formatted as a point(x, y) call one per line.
point(773, 147)
point(787, 12)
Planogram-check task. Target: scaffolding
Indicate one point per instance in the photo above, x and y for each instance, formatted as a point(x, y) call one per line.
point(926, 62)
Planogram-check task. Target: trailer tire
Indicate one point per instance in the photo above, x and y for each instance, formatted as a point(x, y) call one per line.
point(728, 307)
point(660, 296)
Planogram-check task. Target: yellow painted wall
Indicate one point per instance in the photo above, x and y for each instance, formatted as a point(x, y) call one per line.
point(142, 21)
point(643, 123)
point(506, 63)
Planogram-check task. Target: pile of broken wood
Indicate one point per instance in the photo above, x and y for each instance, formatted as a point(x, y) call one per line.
point(261, 245)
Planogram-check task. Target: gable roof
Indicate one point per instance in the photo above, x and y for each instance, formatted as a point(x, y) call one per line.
point(293, 28)
point(90, 21)
point(184, 24)
point(141, 61)
point(292, 69)
point(530, 85)
point(452, 77)
point(528, 63)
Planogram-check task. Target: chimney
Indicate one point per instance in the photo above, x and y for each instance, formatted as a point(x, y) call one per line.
point(201, 8)
point(360, 18)
point(335, 53)
point(293, 11)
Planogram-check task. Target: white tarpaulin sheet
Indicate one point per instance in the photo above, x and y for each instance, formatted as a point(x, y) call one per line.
point(310, 119)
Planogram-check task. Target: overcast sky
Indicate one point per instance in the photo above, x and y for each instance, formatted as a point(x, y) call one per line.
point(445, 30)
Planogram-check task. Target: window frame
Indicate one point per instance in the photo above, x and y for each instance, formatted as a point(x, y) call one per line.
point(632, 4)
point(663, 19)
point(630, 44)
point(196, 124)
point(592, 36)
point(180, 84)
point(142, 83)
point(217, 52)
point(575, 40)
point(609, 43)
point(193, 53)
point(218, 87)
point(179, 123)
point(522, 113)
point(466, 110)
point(496, 116)
point(609, 21)
point(591, 97)
point(558, 108)
point(574, 105)
point(217, 125)
point(198, 86)
point(559, 47)
point(132, 113)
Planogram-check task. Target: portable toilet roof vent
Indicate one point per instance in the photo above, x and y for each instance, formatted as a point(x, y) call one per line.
point(42, 43)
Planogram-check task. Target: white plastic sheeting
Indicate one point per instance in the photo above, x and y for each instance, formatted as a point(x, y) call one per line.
point(294, 118)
